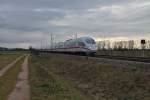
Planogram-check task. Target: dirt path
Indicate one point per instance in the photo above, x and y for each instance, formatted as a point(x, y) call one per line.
point(2, 71)
point(21, 90)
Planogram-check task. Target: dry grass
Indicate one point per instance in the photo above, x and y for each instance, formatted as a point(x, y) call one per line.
point(45, 85)
point(5, 59)
point(8, 80)
point(101, 82)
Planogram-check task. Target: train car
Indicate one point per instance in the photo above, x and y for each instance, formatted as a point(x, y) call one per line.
point(80, 45)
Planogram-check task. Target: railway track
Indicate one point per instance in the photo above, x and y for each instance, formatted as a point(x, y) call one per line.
point(137, 59)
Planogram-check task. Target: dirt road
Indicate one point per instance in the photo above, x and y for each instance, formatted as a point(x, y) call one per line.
point(21, 90)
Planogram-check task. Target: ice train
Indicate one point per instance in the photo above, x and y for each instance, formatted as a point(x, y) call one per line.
point(79, 45)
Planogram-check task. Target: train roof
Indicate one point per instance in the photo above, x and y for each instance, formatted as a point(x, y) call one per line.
point(85, 38)
point(81, 38)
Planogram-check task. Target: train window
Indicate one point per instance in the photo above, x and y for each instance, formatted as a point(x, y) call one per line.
point(90, 41)
point(74, 43)
point(81, 44)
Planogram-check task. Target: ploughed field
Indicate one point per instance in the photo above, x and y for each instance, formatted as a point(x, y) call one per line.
point(6, 59)
point(64, 77)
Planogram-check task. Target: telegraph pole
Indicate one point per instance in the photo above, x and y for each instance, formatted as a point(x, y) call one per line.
point(41, 44)
point(76, 35)
point(51, 40)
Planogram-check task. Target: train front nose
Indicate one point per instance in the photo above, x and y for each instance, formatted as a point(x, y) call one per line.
point(93, 47)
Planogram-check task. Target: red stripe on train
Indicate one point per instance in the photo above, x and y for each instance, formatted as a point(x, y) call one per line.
point(74, 47)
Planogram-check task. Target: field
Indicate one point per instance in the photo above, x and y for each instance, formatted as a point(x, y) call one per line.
point(6, 59)
point(8, 80)
point(46, 85)
point(61, 77)
point(66, 77)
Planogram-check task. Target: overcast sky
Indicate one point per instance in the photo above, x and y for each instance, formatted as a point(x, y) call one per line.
point(30, 22)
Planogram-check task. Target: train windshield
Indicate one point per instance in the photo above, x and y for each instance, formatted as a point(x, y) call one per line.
point(90, 41)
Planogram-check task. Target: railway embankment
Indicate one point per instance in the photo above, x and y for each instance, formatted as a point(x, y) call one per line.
point(125, 53)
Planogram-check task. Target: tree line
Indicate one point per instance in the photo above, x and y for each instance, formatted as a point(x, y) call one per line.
point(123, 45)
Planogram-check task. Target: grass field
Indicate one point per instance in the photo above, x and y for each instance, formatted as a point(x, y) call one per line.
point(6, 59)
point(8, 80)
point(45, 85)
point(99, 82)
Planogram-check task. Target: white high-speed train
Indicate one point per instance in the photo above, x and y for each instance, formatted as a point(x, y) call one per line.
point(79, 45)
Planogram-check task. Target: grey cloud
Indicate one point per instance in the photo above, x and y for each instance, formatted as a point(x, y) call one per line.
point(29, 21)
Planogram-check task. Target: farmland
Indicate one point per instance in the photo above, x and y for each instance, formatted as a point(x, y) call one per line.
point(8, 80)
point(46, 85)
point(61, 77)
point(68, 77)
point(6, 59)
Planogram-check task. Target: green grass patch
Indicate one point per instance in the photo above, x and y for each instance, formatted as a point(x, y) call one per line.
point(6, 59)
point(8, 80)
point(45, 85)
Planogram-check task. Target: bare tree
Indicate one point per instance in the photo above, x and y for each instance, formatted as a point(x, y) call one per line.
point(131, 44)
point(101, 45)
point(125, 44)
point(107, 45)
point(148, 44)
point(115, 45)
